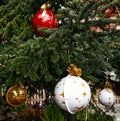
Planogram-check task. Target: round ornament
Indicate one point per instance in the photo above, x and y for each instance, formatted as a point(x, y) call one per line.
point(16, 95)
point(72, 93)
point(107, 97)
point(44, 18)
point(109, 12)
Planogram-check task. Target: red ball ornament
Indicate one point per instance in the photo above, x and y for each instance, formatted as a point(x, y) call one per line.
point(109, 12)
point(44, 18)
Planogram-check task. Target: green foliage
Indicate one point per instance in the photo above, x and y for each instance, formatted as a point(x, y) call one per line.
point(30, 59)
point(53, 113)
point(38, 62)
point(28, 115)
point(3, 103)
point(93, 114)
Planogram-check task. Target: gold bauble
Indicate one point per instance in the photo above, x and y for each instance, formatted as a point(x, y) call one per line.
point(16, 95)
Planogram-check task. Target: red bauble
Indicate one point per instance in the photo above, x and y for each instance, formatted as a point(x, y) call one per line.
point(109, 12)
point(44, 18)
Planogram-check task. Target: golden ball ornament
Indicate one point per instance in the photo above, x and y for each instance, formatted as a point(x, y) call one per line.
point(16, 95)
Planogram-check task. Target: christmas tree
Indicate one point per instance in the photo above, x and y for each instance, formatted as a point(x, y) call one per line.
point(87, 36)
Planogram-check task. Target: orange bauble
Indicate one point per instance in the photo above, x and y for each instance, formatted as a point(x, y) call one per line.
point(44, 18)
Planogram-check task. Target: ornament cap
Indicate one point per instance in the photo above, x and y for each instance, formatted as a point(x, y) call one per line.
point(108, 84)
point(74, 71)
point(19, 84)
point(46, 6)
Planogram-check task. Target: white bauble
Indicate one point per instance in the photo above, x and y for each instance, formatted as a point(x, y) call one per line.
point(107, 97)
point(72, 94)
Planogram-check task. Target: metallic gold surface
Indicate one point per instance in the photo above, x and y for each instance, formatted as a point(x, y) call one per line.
point(16, 95)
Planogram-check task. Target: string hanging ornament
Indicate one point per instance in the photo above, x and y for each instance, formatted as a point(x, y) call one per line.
point(107, 96)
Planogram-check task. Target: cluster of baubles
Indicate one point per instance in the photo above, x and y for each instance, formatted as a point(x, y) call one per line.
point(44, 18)
point(73, 94)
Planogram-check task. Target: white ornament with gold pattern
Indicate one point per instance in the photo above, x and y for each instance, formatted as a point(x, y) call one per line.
point(72, 93)
point(107, 96)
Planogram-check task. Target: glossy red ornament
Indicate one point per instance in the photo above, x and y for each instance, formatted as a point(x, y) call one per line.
point(44, 18)
point(109, 12)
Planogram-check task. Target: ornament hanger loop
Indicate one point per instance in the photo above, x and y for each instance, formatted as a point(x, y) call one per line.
point(107, 83)
point(74, 71)
point(46, 6)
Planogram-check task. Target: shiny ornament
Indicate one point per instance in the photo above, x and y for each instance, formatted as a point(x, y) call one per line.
point(109, 12)
point(16, 95)
point(72, 93)
point(44, 18)
point(107, 97)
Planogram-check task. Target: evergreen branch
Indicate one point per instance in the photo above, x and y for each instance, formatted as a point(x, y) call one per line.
point(111, 33)
point(102, 22)
point(108, 5)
